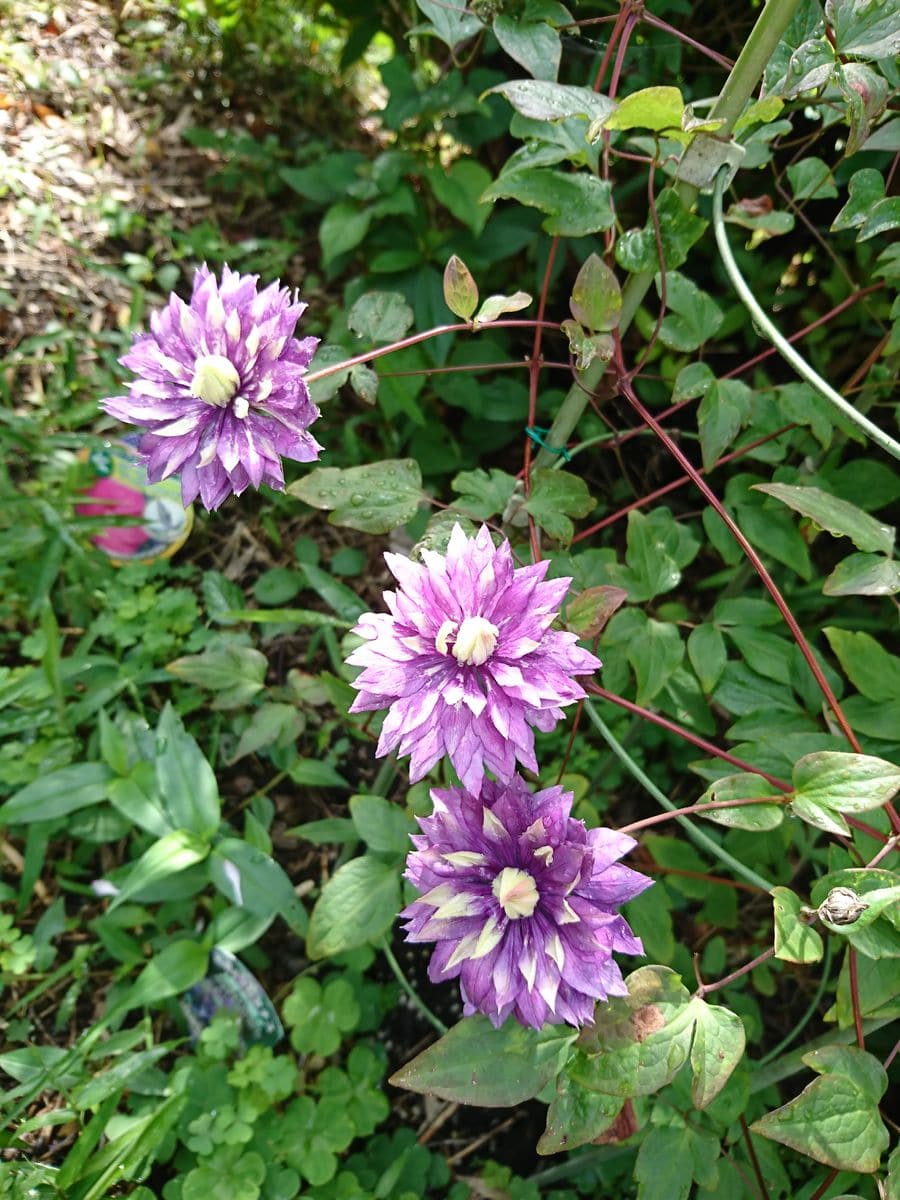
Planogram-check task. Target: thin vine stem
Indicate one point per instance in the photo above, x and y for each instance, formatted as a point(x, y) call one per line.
point(785, 349)
point(696, 835)
point(770, 585)
point(695, 740)
point(414, 339)
point(811, 1010)
point(435, 1022)
point(690, 809)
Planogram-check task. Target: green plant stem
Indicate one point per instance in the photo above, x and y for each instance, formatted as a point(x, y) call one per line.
point(782, 345)
point(810, 1011)
point(417, 1000)
point(696, 835)
point(736, 91)
point(386, 772)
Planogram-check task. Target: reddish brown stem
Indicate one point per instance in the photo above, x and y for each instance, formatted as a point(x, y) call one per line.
point(414, 339)
point(854, 998)
point(769, 583)
point(643, 501)
point(688, 41)
point(825, 1185)
point(679, 731)
point(705, 988)
point(534, 374)
point(754, 1161)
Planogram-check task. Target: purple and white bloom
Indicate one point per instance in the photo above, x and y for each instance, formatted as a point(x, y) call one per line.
point(521, 900)
point(220, 390)
point(466, 661)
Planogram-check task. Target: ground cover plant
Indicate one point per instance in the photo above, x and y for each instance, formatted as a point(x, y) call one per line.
point(488, 790)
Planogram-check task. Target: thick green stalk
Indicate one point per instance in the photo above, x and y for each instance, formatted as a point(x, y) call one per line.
point(736, 91)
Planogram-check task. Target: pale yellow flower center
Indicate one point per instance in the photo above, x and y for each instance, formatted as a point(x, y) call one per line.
point(215, 379)
point(476, 639)
point(516, 892)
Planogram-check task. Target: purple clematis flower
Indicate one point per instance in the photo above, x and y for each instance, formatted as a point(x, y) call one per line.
point(521, 900)
point(466, 661)
point(219, 388)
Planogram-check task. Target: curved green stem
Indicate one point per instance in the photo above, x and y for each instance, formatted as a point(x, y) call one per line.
point(696, 835)
point(784, 348)
point(417, 1000)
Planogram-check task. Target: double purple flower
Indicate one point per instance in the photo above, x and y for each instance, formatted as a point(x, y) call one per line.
point(219, 391)
point(521, 900)
point(466, 661)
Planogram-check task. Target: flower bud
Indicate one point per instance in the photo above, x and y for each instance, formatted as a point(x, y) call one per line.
point(842, 906)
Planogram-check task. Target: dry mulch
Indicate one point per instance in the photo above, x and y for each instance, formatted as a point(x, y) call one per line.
point(76, 147)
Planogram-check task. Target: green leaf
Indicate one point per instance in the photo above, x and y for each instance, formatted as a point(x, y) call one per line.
point(383, 826)
point(255, 882)
point(819, 816)
point(460, 289)
point(868, 666)
point(795, 941)
point(364, 382)
point(534, 45)
point(235, 673)
point(846, 783)
point(692, 381)
point(58, 794)
point(658, 547)
point(638, 1043)
point(459, 188)
point(589, 612)
point(174, 852)
point(839, 517)
point(664, 1168)
point(756, 817)
point(177, 967)
point(374, 498)
point(706, 651)
point(482, 493)
point(277, 587)
point(576, 1116)
point(655, 656)
point(656, 108)
point(495, 306)
point(833, 1121)
point(380, 317)
point(679, 229)
point(596, 299)
point(811, 179)
point(185, 779)
point(863, 1068)
point(723, 411)
point(866, 28)
point(695, 316)
point(318, 1016)
point(576, 204)
point(270, 725)
point(312, 772)
point(554, 101)
point(474, 1063)
point(327, 831)
point(867, 208)
point(450, 20)
point(343, 228)
point(717, 1048)
point(555, 497)
point(358, 904)
point(863, 575)
point(587, 347)
point(343, 600)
